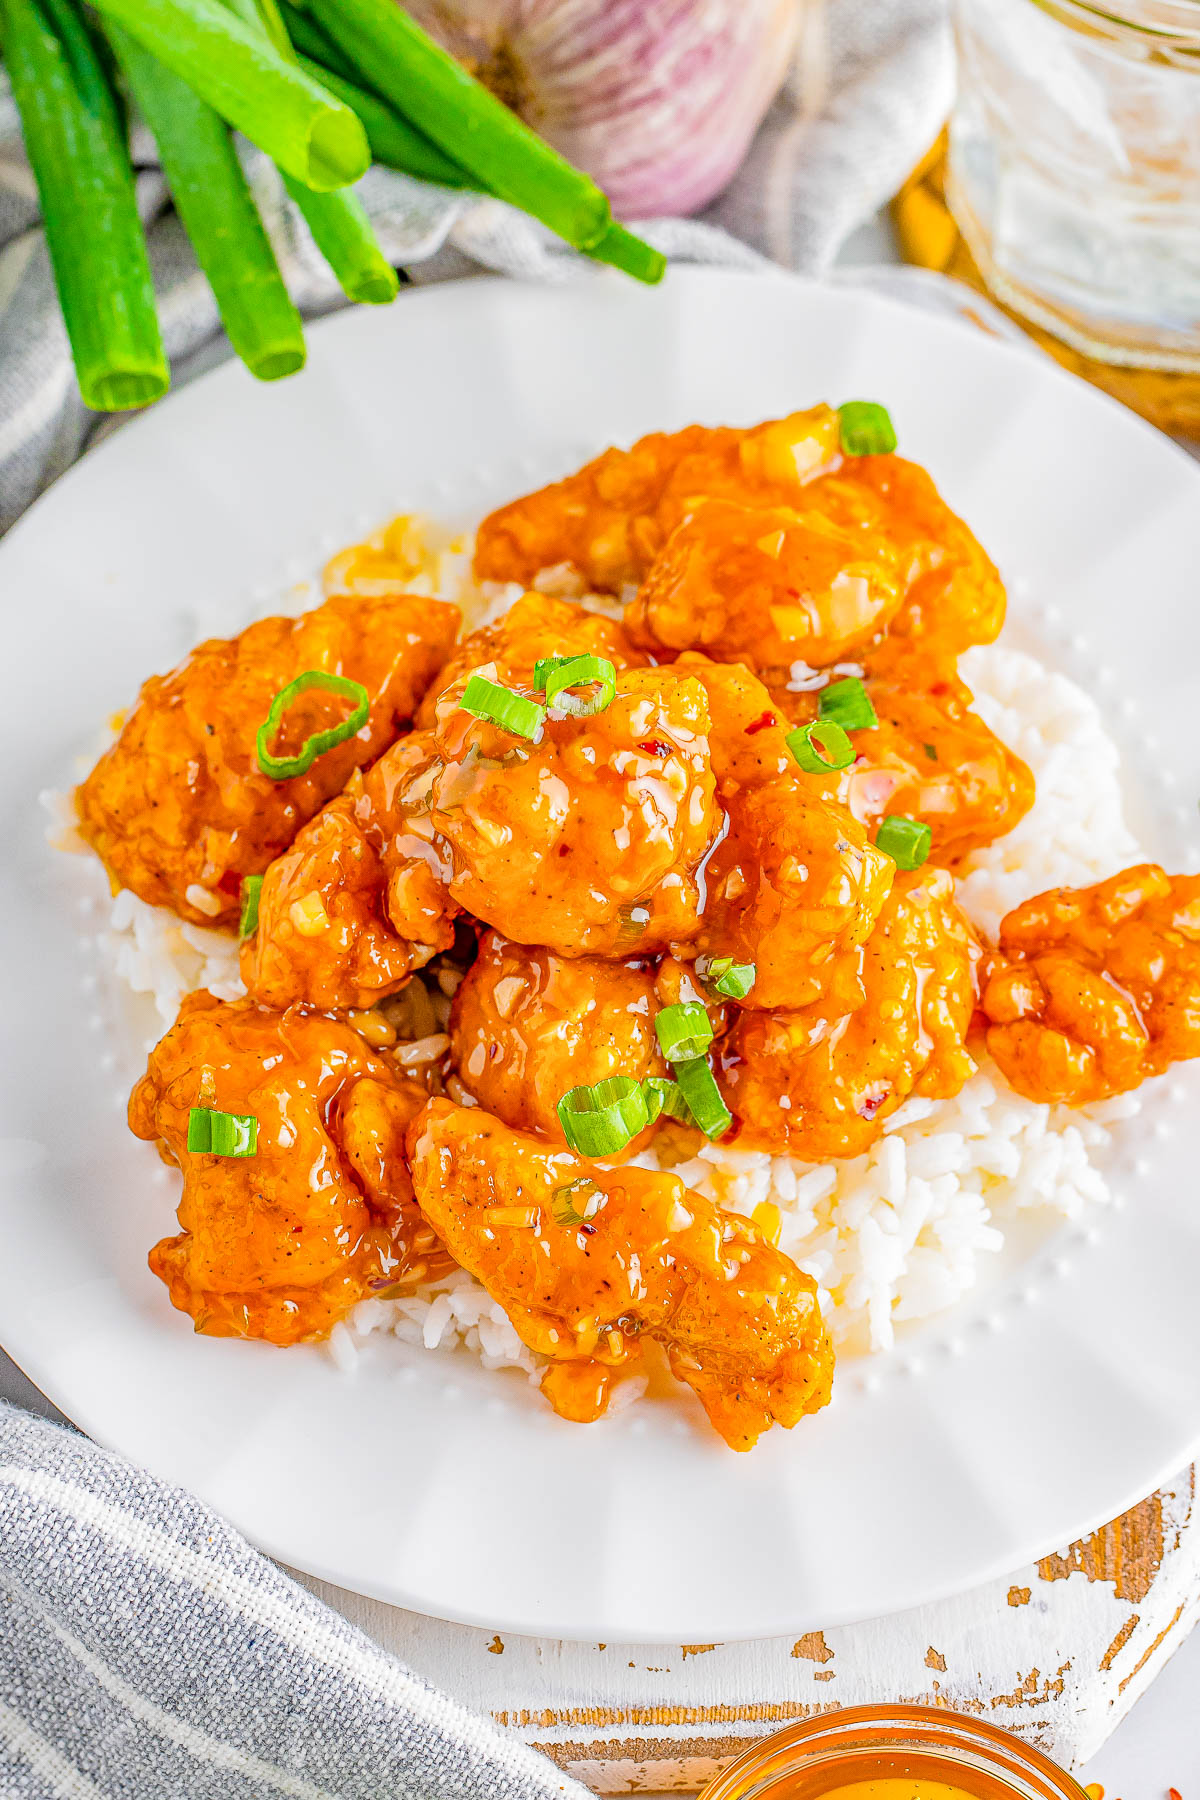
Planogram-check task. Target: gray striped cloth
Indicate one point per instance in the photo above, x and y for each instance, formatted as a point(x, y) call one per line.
point(146, 1651)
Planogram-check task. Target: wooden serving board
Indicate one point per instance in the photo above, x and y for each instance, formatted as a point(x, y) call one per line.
point(1057, 1653)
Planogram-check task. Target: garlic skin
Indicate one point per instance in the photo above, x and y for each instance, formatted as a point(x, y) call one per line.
point(657, 99)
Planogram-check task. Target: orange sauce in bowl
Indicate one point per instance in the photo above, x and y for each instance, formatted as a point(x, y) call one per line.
point(898, 1787)
point(882, 1774)
point(893, 1752)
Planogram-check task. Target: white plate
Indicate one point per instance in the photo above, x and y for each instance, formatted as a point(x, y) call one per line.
point(998, 1432)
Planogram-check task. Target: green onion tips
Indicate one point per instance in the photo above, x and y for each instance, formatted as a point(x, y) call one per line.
point(558, 676)
point(699, 1087)
point(906, 841)
point(281, 768)
point(684, 1031)
point(721, 975)
point(865, 429)
point(600, 1120)
point(848, 704)
point(501, 706)
point(251, 889)
point(666, 1097)
point(821, 747)
point(212, 1133)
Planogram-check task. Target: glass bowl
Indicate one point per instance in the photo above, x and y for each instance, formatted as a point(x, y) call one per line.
point(928, 1753)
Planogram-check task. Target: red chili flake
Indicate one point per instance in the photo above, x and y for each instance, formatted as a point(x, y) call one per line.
point(230, 883)
point(587, 1231)
point(761, 723)
point(655, 747)
point(868, 1107)
point(792, 593)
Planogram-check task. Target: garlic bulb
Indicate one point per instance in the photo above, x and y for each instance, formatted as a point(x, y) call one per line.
point(657, 99)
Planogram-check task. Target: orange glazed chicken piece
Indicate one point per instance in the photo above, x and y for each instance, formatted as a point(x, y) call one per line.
point(793, 880)
point(929, 758)
point(282, 1243)
point(587, 1261)
point(808, 1086)
point(178, 809)
point(612, 519)
point(586, 839)
point(766, 586)
point(527, 1026)
point(536, 626)
point(1095, 988)
point(953, 596)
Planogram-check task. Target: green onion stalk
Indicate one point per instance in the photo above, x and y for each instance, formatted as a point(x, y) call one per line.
point(232, 64)
point(390, 54)
point(76, 146)
point(395, 144)
point(218, 213)
point(338, 221)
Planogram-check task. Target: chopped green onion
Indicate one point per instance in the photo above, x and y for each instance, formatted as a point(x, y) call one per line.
point(557, 676)
point(301, 125)
point(544, 667)
point(218, 213)
point(577, 1202)
point(215, 1133)
point(500, 706)
point(665, 1097)
point(906, 841)
point(600, 1120)
point(865, 429)
point(281, 768)
point(848, 704)
point(930, 751)
point(699, 1087)
point(251, 889)
point(684, 1031)
point(76, 146)
point(820, 747)
point(721, 975)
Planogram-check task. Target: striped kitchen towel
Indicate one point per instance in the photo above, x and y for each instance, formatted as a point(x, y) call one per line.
point(148, 1653)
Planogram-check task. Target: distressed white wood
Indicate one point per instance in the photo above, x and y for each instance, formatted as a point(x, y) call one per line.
point(1056, 1656)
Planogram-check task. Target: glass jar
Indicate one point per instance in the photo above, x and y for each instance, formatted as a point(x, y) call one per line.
point(1074, 169)
point(913, 1744)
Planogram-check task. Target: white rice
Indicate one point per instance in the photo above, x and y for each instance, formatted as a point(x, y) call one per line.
point(893, 1236)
